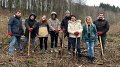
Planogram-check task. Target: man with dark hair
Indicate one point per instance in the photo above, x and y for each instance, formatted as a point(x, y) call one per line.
point(102, 26)
point(15, 30)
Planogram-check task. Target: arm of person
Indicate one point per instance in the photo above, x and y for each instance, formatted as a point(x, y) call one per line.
point(107, 27)
point(63, 24)
point(10, 24)
point(95, 32)
point(26, 24)
point(83, 34)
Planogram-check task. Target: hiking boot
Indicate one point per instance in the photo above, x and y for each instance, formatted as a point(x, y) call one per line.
point(56, 50)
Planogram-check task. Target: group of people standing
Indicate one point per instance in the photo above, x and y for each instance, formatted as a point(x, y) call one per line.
point(70, 27)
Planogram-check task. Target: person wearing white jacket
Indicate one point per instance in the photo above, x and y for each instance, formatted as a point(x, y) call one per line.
point(75, 30)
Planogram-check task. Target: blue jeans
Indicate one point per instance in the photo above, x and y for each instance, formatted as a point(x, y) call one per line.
point(74, 45)
point(15, 40)
point(90, 48)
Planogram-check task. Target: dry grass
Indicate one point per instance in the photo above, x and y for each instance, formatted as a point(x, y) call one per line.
point(112, 53)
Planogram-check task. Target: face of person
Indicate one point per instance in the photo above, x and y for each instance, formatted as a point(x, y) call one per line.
point(88, 20)
point(53, 16)
point(43, 18)
point(73, 18)
point(101, 16)
point(32, 17)
point(67, 14)
point(18, 14)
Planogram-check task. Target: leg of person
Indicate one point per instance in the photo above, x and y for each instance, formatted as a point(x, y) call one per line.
point(103, 38)
point(69, 43)
point(73, 41)
point(92, 51)
point(56, 42)
point(25, 43)
point(78, 47)
point(45, 42)
point(41, 43)
point(33, 44)
point(18, 45)
point(61, 42)
point(88, 51)
point(12, 43)
point(52, 40)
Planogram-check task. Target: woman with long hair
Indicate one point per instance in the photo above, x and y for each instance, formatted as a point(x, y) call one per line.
point(43, 31)
point(89, 36)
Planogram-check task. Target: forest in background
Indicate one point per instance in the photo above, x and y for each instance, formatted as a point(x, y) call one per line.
point(77, 7)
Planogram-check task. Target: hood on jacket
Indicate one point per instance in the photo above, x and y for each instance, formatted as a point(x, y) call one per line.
point(33, 14)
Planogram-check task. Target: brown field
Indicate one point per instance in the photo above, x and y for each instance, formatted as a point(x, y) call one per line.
point(111, 55)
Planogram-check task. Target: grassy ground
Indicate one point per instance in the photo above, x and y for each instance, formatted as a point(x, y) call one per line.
point(112, 53)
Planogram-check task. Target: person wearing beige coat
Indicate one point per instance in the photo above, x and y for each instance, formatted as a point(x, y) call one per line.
point(75, 30)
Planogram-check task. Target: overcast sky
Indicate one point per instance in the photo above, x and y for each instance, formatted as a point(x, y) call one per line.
point(97, 2)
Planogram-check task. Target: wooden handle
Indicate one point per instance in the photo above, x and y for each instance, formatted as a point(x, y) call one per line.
point(29, 43)
point(101, 46)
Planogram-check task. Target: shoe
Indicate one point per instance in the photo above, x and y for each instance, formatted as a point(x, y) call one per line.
point(88, 59)
point(69, 52)
point(51, 50)
point(56, 50)
point(21, 52)
point(92, 60)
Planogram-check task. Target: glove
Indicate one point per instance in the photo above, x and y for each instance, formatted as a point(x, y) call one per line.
point(99, 33)
point(10, 33)
point(76, 33)
point(30, 29)
point(56, 30)
point(63, 30)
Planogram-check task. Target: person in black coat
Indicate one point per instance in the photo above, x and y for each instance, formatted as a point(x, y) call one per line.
point(102, 26)
point(31, 25)
point(15, 30)
point(64, 27)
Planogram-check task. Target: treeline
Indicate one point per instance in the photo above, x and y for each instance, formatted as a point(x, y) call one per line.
point(40, 7)
point(108, 7)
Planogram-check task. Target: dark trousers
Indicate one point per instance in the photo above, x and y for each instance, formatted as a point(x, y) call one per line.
point(54, 39)
point(69, 43)
point(43, 40)
point(76, 45)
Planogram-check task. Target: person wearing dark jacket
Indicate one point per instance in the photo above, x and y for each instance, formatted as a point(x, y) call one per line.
point(102, 26)
point(31, 25)
point(43, 31)
point(64, 27)
point(15, 30)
